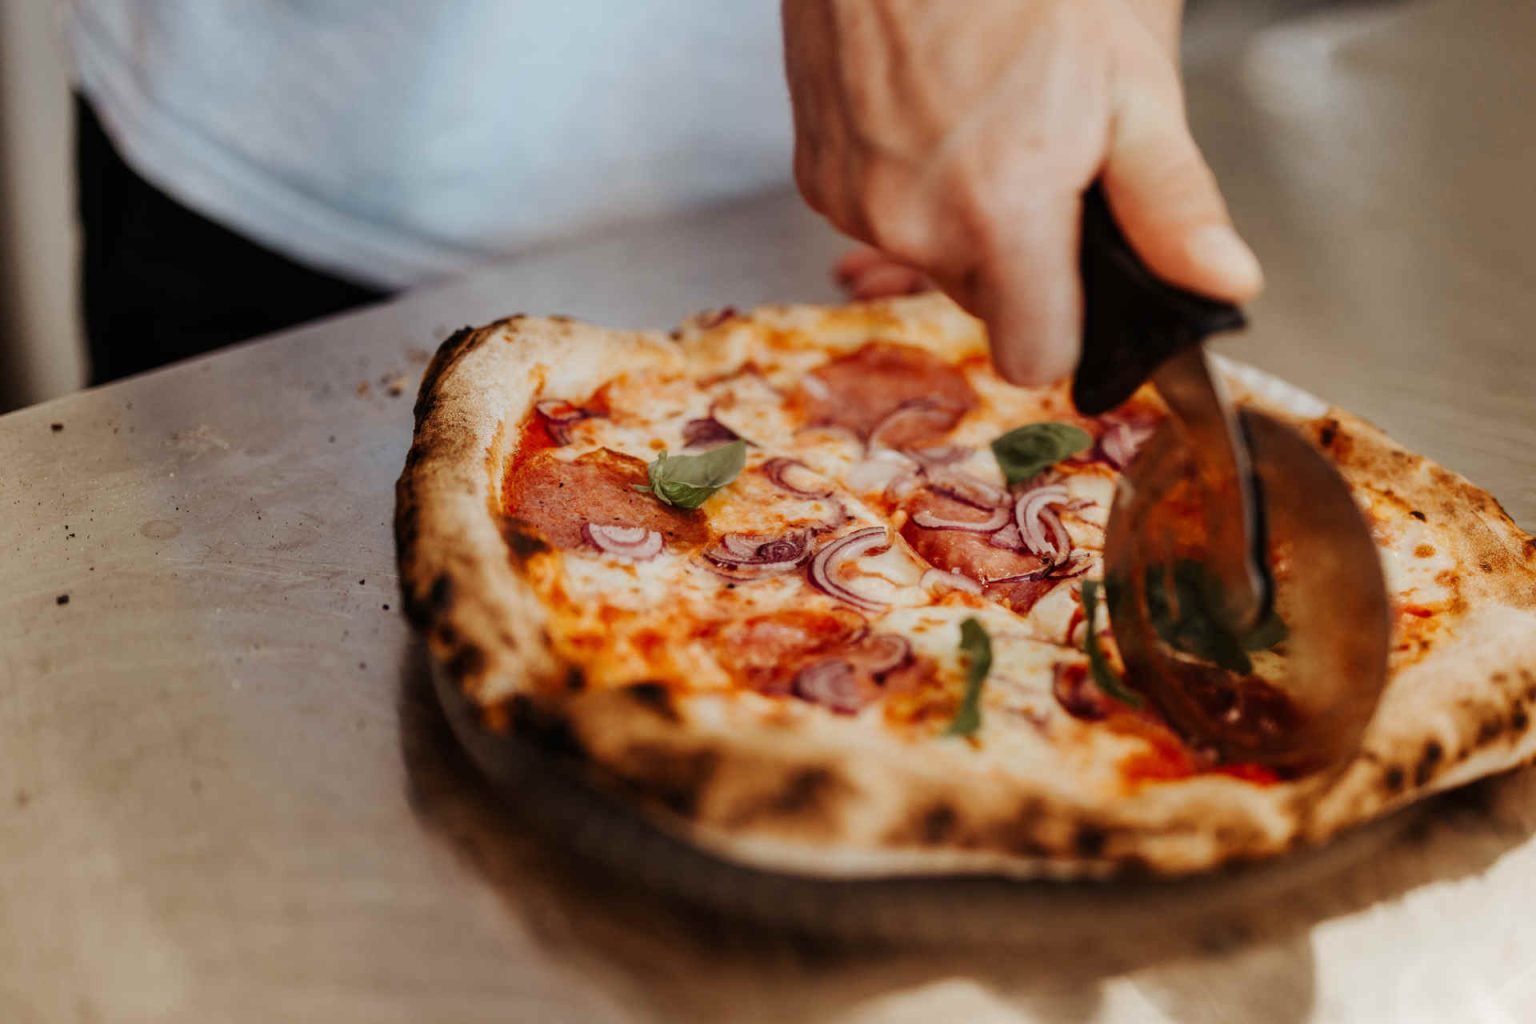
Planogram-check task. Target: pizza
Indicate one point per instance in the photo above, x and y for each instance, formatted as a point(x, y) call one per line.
point(807, 585)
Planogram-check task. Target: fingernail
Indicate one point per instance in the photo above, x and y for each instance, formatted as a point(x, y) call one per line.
point(1217, 250)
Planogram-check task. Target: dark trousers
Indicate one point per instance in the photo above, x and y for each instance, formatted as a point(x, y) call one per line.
point(161, 283)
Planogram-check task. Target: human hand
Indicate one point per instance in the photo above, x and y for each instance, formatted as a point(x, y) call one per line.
point(867, 273)
point(959, 138)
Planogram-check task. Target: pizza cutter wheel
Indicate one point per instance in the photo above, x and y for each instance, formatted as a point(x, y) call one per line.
point(1245, 593)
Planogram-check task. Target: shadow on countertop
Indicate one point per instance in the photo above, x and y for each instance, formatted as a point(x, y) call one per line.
point(583, 875)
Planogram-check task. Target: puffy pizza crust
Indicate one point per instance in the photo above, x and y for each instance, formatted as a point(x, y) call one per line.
point(829, 796)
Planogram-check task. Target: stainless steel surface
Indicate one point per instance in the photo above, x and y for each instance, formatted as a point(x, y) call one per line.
point(226, 791)
point(1208, 424)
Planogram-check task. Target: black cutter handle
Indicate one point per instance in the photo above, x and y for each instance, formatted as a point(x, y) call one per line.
point(1132, 320)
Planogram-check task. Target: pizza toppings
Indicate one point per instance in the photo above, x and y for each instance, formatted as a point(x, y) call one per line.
point(632, 543)
point(966, 552)
point(976, 646)
point(967, 488)
point(558, 498)
point(880, 653)
point(1103, 673)
point(1025, 452)
point(937, 579)
point(1121, 440)
point(560, 416)
point(884, 472)
point(1078, 695)
point(797, 478)
point(828, 568)
point(914, 418)
point(835, 684)
point(931, 520)
point(864, 391)
point(747, 557)
point(1040, 529)
point(687, 481)
point(707, 432)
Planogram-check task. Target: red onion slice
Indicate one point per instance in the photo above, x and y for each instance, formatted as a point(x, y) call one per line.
point(1008, 537)
point(834, 684)
point(996, 521)
point(933, 579)
point(940, 455)
point(707, 431)
point(1040, 527)
point(796, 477)
point(1120, 442)
point(882, 653)
point(635, 543)
point(966, 488)
point(1077, 694)
point(879, 471)
point(560, 416)
point(744, 557)
point(1072, 568)
point(920, 413)
point(829, 561)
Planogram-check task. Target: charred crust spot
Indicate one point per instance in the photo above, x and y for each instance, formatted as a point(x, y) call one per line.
point(1489, 730)
point(1393, 779)
point(575, 679)
point(937, 824)
point(1018, 833)
point(1518, 720)
point(803, 802)
point(522, 538)
point(1428, 762)
point(445, 634)
point(654, 697)
point(561, 318)
point(440, 595)
point(806, 791)
point(673, 778)
point(1089, 841)
point(551, 732)
point(1420, 516)
point(468, 661)
point(447, 354)
point(1327, 433)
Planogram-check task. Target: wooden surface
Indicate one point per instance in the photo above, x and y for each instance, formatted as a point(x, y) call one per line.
point(226, 792)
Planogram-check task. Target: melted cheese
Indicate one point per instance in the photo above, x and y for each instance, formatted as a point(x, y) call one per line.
point(626, 622)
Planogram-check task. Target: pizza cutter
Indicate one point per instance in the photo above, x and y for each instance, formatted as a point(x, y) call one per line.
point(1245, 593)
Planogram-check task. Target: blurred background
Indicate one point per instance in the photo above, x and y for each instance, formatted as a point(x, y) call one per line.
point(41, 350)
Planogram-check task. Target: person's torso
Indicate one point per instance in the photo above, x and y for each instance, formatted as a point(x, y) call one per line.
point(447, 133)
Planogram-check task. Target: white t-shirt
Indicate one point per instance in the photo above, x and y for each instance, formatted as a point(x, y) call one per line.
point(394, 142)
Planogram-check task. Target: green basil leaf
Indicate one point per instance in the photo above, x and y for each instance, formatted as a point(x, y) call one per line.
point(1200, 631)
point(1268, 634)
point(1103, 674)
point(1025, 452)
point(687, 481)
point(977, 648)
point(1194, 627)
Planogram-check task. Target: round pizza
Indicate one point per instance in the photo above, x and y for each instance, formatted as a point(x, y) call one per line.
point(816, 590)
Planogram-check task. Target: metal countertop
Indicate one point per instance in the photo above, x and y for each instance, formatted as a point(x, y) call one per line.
point(226, 793)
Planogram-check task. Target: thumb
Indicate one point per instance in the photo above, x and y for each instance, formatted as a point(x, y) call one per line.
point(1165, 197)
